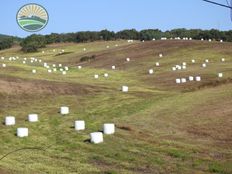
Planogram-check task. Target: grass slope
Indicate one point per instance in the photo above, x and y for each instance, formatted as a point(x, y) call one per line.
point(161, 127)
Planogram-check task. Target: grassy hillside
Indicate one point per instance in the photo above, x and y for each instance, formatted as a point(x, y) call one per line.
point(162, 127)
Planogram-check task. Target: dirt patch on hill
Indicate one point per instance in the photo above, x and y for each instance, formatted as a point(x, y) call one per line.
point(17, 86)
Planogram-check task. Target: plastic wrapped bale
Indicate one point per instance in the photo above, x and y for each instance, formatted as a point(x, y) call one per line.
point(160, 55)
point(157, 64)
point(54, 69)
point(64, 110)
point(210, 40)
point(191, 78)
point(220, 75)
point(221, 41)
point(125, 88)
point(107, 46)
point(108, 128)
point(223, 60)
point(10, 121)
point(106, 75)
point(22, 132)
point(79, 125)
point(79, 67)
point(3, 65)
point(184, 63)
point(178, 81)
point(49, 71)
point(34, 71)
point(198, 78)
point(96, 137)
point(151, 71)
point(84, 49)
point(66, 68)
point(193, 61)
point(60, 65)
point(204, 65)
point(128, 59)
point(96, 76)
point(64, 72)
point(33, 118)
point(183, 80)
point(113, 67)
point(206, 60)
point(173, 68)
point(184, 67)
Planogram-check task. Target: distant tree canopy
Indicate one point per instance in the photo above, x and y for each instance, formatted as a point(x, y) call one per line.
point(33, 42)
point(6, 43)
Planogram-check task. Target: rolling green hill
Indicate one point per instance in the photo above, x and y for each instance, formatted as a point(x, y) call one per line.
point(161, 126)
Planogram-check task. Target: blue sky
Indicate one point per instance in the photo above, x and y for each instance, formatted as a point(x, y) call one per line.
point(115, 15)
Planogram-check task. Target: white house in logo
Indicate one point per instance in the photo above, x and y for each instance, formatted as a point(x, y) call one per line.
point(32, 17)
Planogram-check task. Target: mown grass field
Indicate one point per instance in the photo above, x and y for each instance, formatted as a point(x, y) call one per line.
point(162, 127)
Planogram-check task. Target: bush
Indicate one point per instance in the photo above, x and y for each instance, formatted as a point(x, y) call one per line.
point(33, 42)
point(87, 58)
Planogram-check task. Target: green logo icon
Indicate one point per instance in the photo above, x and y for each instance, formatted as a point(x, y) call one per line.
point(32, 17)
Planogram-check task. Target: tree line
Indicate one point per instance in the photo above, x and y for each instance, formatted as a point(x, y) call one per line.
point(34, 42)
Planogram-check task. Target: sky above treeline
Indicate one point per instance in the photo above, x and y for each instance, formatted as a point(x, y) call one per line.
point(115, 15)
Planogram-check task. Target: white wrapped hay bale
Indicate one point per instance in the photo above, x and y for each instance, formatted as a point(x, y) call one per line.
point(96, 137)
point(210, 40)
point(173, 68)
point(106, 75)
point(108, 128)
point(160, 55)
point(79, 67)
point(64, 72)
point(125, 88)
point(113, 67)
point(60, 65)
point(107, 46)
point(66, 68)
point(22, 132)
point(157, 64)
point(34, 71)
point(220, 75)
point(183, 80)
point(79, 125)
point(128, 59)
point(33, 118)
point(221, 41)
point(54, 69)
point(203, 65)
point(193, 61)
point(64, 110)
point(84, 49)
point(178, 81)
point(4, 65)
point(198, 78)
point(96, 76)
point(191, 78)
point(184, 63)
point(207, 60)
point(151, 71)
point(49, 71)
point(184, 67)
point(223, 60)
point(202, 39)
point(10, 121)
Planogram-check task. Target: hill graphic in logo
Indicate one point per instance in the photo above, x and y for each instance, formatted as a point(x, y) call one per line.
point(32, 17)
